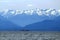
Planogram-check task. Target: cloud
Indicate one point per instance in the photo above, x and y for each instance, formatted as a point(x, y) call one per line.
point(29, 5)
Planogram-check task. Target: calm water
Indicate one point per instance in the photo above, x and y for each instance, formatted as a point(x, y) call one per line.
point(29, 35)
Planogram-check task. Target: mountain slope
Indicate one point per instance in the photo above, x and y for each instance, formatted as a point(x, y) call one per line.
point(24, 19)
point(46, 25)
point(7, 25)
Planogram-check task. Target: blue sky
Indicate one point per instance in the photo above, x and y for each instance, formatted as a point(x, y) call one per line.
point(28, 4)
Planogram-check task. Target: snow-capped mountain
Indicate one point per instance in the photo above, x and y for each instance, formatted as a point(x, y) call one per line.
point(26, 17)
point(58, 11)
point(46, 12)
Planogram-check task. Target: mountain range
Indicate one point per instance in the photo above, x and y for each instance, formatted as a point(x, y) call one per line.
point(29, 22)
point(46, 25)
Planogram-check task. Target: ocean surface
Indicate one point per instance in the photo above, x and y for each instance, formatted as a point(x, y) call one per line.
point(29, 35)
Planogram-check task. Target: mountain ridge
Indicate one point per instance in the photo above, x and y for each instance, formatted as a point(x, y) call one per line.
point(6, 25)
point(46, 25)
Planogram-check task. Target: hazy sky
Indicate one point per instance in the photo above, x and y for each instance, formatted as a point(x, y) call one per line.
point(27, 4)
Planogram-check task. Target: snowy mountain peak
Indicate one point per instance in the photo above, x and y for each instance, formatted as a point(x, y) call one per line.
point(39, 12)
